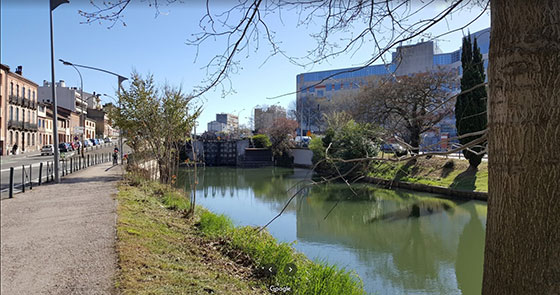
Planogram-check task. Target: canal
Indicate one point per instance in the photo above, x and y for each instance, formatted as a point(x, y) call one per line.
point(397, 242)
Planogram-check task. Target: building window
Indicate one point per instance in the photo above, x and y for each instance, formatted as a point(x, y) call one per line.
point(23, 92)
point(29, 93)
point(11, 112)
point(17, 90)
point(17, 114)
point(34, 95)
point(28, 115)
point(11, 138)
point(23, 115)
point(11, 88)
point(28, 141)
point(33, 139)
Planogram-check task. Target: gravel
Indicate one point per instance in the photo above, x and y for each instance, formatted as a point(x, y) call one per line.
point(60, 238)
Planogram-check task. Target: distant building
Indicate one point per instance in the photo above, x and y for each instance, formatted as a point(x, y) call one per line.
point(215, 126)
point(265, 117)
point(45, 125)
point(101, 128)
point(67, 97)
point(231, 121)
point(90, 128)
point(18, 112)
point(406, 60)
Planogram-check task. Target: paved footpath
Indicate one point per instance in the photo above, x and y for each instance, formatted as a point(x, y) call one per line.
point(60, 238)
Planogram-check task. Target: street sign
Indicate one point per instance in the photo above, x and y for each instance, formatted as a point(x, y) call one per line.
point(78, 130)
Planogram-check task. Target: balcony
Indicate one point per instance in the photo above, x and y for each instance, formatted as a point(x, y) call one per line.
point(13, 99)
point(15, 124)
point(29, 126)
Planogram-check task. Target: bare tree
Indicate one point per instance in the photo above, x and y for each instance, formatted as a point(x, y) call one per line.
point(413, 104)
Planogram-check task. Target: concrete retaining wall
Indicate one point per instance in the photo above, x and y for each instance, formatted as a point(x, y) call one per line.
point(302, 157)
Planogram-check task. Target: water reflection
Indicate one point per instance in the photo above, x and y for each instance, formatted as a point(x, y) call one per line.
point(397, 241)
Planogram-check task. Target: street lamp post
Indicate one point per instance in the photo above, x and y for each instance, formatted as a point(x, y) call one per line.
point(53, 5)
point(119, 104)
point(82, 118)
point(120, 80)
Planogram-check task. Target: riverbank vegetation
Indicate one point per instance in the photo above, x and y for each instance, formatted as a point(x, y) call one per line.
point(344, 139)
point(162, 252)
point(437, 171)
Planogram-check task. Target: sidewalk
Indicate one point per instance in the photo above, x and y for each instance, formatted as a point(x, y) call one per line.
point(60, 238)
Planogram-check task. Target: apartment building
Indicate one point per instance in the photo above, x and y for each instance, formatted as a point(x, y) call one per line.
point(44, 125)
point(265, 117)
point(19, 112)
point(3, 101)
point(231, 121)
point(90, 128)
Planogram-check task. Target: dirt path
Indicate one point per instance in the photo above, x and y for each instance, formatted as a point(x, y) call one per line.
point(60, 238)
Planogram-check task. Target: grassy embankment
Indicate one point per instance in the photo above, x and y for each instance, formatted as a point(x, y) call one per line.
point(162, 252)
point(438, 171)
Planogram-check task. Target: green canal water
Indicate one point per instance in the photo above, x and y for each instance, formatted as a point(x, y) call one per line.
point(398, 242)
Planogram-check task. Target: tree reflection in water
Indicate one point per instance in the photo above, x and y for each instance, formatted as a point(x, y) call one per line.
point(399, 242)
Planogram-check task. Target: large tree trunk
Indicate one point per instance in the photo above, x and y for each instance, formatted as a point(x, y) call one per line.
point(522, 233)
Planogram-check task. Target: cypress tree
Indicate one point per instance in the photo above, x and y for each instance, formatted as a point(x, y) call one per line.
point(470, 108)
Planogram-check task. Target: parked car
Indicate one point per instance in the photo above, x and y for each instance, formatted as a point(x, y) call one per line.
point(107, 140)
point(93, 142)
point(47, 149)
point(101, 141)
point(86, 143)
point(64, 147)
point(97, 141)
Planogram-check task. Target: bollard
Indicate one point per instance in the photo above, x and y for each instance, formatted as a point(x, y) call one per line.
point(11, 194)
point(95, 160)
point(80, 160)
point(88, 164)
point(40, 173)
point(71, 167)
point(30, 178)
point(22, 179)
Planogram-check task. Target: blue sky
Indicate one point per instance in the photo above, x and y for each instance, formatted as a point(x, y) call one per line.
point(156, 44)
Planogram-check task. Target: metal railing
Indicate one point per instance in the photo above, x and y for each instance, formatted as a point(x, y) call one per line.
point(45, 171)
point(14, 124)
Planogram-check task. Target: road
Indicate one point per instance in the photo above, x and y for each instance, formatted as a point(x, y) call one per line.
point(34, 159)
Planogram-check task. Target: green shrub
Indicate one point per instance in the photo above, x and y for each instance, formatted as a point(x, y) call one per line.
point(261, 141)
point(349, 140)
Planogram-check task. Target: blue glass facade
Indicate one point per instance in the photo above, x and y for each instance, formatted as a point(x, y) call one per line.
point(335, 81)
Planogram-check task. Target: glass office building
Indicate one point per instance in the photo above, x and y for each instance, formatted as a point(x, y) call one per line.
point(406, 60)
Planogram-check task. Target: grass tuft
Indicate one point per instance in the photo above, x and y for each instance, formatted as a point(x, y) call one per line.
point(263, 249)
